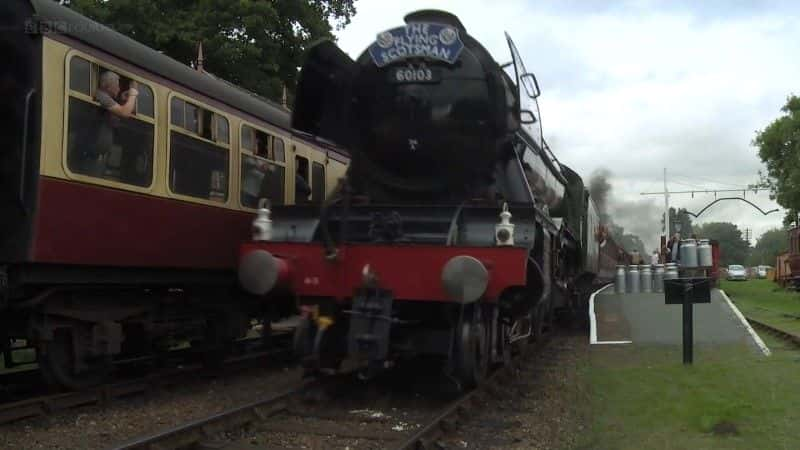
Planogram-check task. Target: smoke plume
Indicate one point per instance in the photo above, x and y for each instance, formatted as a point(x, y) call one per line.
point(632, 223)
point(599, 190)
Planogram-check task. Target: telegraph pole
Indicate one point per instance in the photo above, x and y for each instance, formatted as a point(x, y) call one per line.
point(666, 206)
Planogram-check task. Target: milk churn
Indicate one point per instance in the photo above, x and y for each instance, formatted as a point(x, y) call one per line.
point(671, 271)
point(688, 253)
point(658, 278)
point(647, 279)
point(633, 279)
point(619, 282)
point(704, 255)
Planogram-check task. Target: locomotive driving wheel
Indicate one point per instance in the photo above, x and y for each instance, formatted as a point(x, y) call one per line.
point(65, 364)
point(472, 351)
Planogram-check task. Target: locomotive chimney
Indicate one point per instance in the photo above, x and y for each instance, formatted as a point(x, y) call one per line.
point(435, 16)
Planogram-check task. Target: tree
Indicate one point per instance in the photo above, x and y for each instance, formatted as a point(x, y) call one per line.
point(779, 148)
point(255, 44)
point(771, 244)
point(680, 217)
point(733, 248)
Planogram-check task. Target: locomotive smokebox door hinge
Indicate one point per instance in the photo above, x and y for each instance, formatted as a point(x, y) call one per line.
point(370, 325)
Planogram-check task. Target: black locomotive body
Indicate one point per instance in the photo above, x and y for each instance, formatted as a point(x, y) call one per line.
point(456, 232)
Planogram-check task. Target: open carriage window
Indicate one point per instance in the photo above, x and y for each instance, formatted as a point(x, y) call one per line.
point(199, 155)
point(263, 167)
point(263, 144)
point(102, 141)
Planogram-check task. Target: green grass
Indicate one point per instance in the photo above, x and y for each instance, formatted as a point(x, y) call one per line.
point(765, 301)
point(642, 397)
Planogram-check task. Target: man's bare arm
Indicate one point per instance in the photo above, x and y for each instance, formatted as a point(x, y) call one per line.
point(126, 110)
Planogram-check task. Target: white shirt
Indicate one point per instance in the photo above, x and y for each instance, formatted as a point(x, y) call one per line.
point(654, 259)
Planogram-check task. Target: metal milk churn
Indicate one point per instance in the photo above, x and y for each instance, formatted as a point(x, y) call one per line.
point(619, 282)
point(688, 253)
point(633, 279)
point(658, 278)
point(671, 271)
point(647, 278)
point(704, 255)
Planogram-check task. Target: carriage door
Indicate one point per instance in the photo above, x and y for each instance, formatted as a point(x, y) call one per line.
point(527, 91)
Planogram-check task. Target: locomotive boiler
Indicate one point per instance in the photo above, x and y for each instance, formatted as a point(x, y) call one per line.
point(456, 233)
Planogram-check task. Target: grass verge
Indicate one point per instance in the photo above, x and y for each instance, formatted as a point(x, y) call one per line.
point(765, 301)
point(642, 397)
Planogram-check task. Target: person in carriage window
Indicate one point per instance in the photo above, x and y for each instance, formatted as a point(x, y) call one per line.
point(106, 154)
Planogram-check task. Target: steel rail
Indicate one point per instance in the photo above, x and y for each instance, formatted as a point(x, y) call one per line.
point(105, 394)
point(781, 334)
point(197, 430)
point(448, 419)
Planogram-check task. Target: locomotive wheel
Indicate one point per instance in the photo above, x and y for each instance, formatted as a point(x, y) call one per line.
point(472, 353)
point(57, 363)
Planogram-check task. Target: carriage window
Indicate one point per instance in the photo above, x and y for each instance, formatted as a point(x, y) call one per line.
point(200, 121)
point(144, 102)
point(223, 130)
point(261, 179)
point(101, 144)
point(198, 161)
point(197, 168)
point(277, 145)
point(317, 182)
point(176, 111)
point(263, 144)
point(80, 75)
point(248, 137)
point(302, 189)
point(191, 115)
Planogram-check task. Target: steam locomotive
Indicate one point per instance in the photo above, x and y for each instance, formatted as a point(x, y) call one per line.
point(455, 233)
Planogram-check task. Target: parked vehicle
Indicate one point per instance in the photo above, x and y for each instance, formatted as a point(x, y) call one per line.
point(737, 272)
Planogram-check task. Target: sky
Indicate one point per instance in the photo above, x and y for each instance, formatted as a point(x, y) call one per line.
point(637, 86)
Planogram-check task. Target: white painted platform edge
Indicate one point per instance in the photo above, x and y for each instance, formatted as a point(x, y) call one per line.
point(593, 322)
point(761, 345)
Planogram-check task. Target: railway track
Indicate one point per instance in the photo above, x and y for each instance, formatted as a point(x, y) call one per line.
point(356, 419)
point(790, 338)
point(42, 405)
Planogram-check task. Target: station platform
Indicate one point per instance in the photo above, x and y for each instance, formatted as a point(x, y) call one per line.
point(645, 319)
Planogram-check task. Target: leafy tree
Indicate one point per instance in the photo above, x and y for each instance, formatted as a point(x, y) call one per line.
point(779, 148)
point(680, 217)
point(771, 244)
point(256, 44)
point(733, 248)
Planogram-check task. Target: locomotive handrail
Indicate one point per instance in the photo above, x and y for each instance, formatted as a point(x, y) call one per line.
point(24, 152)
point(453, 228)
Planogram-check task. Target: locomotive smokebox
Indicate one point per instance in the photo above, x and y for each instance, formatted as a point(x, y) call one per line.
point(426, 108)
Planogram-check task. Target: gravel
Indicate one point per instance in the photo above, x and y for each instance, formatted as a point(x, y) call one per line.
point(103, 427)
point(539, 410)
